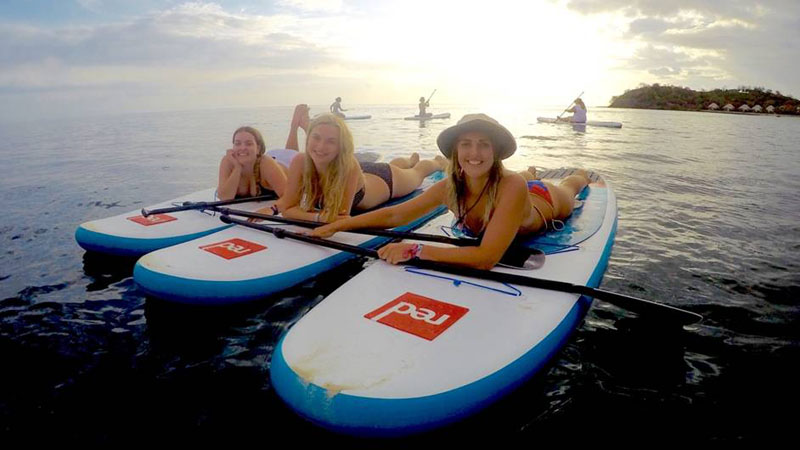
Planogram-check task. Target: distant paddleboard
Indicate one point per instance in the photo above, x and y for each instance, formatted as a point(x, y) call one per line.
point(590, 123)
point(361, 117)
point(431, 117)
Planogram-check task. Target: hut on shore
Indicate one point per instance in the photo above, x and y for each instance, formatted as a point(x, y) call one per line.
point(728, 107)
point(713, 107)
point(770, 109)
point(757, 108)
point(744, 108)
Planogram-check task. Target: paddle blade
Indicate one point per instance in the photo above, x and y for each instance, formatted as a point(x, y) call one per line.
point(523, 258)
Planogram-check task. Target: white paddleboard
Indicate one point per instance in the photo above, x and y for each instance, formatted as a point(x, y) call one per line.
point(131, 234)
point(358, 117)
point(394, 352)
point(239, 264)
point(424, 118)
point(590, 122)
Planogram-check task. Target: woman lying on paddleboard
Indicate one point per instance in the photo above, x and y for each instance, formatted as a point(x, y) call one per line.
point(328, 182)
point(485, 198)
point(248, 170)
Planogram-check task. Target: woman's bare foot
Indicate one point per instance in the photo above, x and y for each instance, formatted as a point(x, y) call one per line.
point(583, 173)
point(441, 160)
point(413, 159)
point(532, 170)
point(300, 117)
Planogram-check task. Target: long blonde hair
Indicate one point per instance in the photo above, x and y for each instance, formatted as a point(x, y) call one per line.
point(456, 184)
point(328, 187)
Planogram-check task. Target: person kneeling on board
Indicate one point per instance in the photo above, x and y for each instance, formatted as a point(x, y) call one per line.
point(578, 112)
point(486, 199)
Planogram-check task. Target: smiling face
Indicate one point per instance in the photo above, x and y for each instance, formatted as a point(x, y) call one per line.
point(323, 144)
point(475, 153)
point(245, 147)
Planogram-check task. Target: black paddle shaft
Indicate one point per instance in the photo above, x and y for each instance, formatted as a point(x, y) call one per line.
point(186, 206)
point(634, 304)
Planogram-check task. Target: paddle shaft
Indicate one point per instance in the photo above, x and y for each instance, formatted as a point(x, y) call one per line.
point(567, 108)
point(206, 205)
point(634, 304)
point(430, 97)
point(367, 231)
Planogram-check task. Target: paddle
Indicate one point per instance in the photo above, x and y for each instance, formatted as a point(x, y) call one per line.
point(186, 206)
point(516, 256)
point(637, 305)
point(568, 107)
point(430, 96)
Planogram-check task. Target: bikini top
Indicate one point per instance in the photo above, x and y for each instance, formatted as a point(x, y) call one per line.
point(461, 230)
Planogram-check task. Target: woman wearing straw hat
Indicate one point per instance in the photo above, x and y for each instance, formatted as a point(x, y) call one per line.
point(486, 199)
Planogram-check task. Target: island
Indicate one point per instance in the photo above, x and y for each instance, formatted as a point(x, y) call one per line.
point(748, 100)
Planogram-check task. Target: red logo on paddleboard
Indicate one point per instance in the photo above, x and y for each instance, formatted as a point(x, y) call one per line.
point(154, 219)
point(233, 248)
point(418, 315)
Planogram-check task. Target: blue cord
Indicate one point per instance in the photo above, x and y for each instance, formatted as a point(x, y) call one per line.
point(456, 282)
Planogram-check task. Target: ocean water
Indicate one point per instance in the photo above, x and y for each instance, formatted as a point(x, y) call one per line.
point(709, 221)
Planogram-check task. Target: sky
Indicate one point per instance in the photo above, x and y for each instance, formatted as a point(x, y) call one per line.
point(83, 57)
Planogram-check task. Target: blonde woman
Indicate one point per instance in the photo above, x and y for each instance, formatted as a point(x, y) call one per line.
point(485, 198)
point(327, 182)
point(248, 170)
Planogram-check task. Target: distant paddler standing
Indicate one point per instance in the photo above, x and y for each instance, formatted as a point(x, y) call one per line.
point(336, 107)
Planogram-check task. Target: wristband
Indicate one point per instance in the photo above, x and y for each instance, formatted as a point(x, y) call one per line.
point(316, 218)
point(275, 211)
point(416, 250)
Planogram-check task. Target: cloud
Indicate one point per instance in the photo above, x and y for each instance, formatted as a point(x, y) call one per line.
point(192, 37)
point(733, 41)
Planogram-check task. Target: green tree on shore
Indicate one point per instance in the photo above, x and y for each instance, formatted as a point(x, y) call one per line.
point(657, 96)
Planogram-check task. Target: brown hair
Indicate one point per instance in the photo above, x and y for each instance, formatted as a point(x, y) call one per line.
point(262, 146)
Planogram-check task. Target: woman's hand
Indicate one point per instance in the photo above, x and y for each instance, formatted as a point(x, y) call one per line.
point(266, 210)
point(397, 253)
point(232, 159)
point(324, 231)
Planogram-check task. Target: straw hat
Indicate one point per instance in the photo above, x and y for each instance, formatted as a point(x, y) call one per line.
point(502, 139)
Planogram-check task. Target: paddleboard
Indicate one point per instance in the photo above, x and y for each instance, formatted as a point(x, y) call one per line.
point(398, 350)
point(590, 122)
point(131, 234)
point(239, 264)
point(358, 117)
point(424, 118)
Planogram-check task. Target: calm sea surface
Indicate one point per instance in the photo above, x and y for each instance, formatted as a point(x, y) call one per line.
point(709, 220)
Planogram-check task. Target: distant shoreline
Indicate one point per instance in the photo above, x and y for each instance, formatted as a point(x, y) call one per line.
point(738, 113)
point(677, 98)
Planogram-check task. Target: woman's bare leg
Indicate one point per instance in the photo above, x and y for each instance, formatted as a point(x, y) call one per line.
point(529, 174)
point(300, 119)
point(406, 162)
point(575, 182)
point(406, 180)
